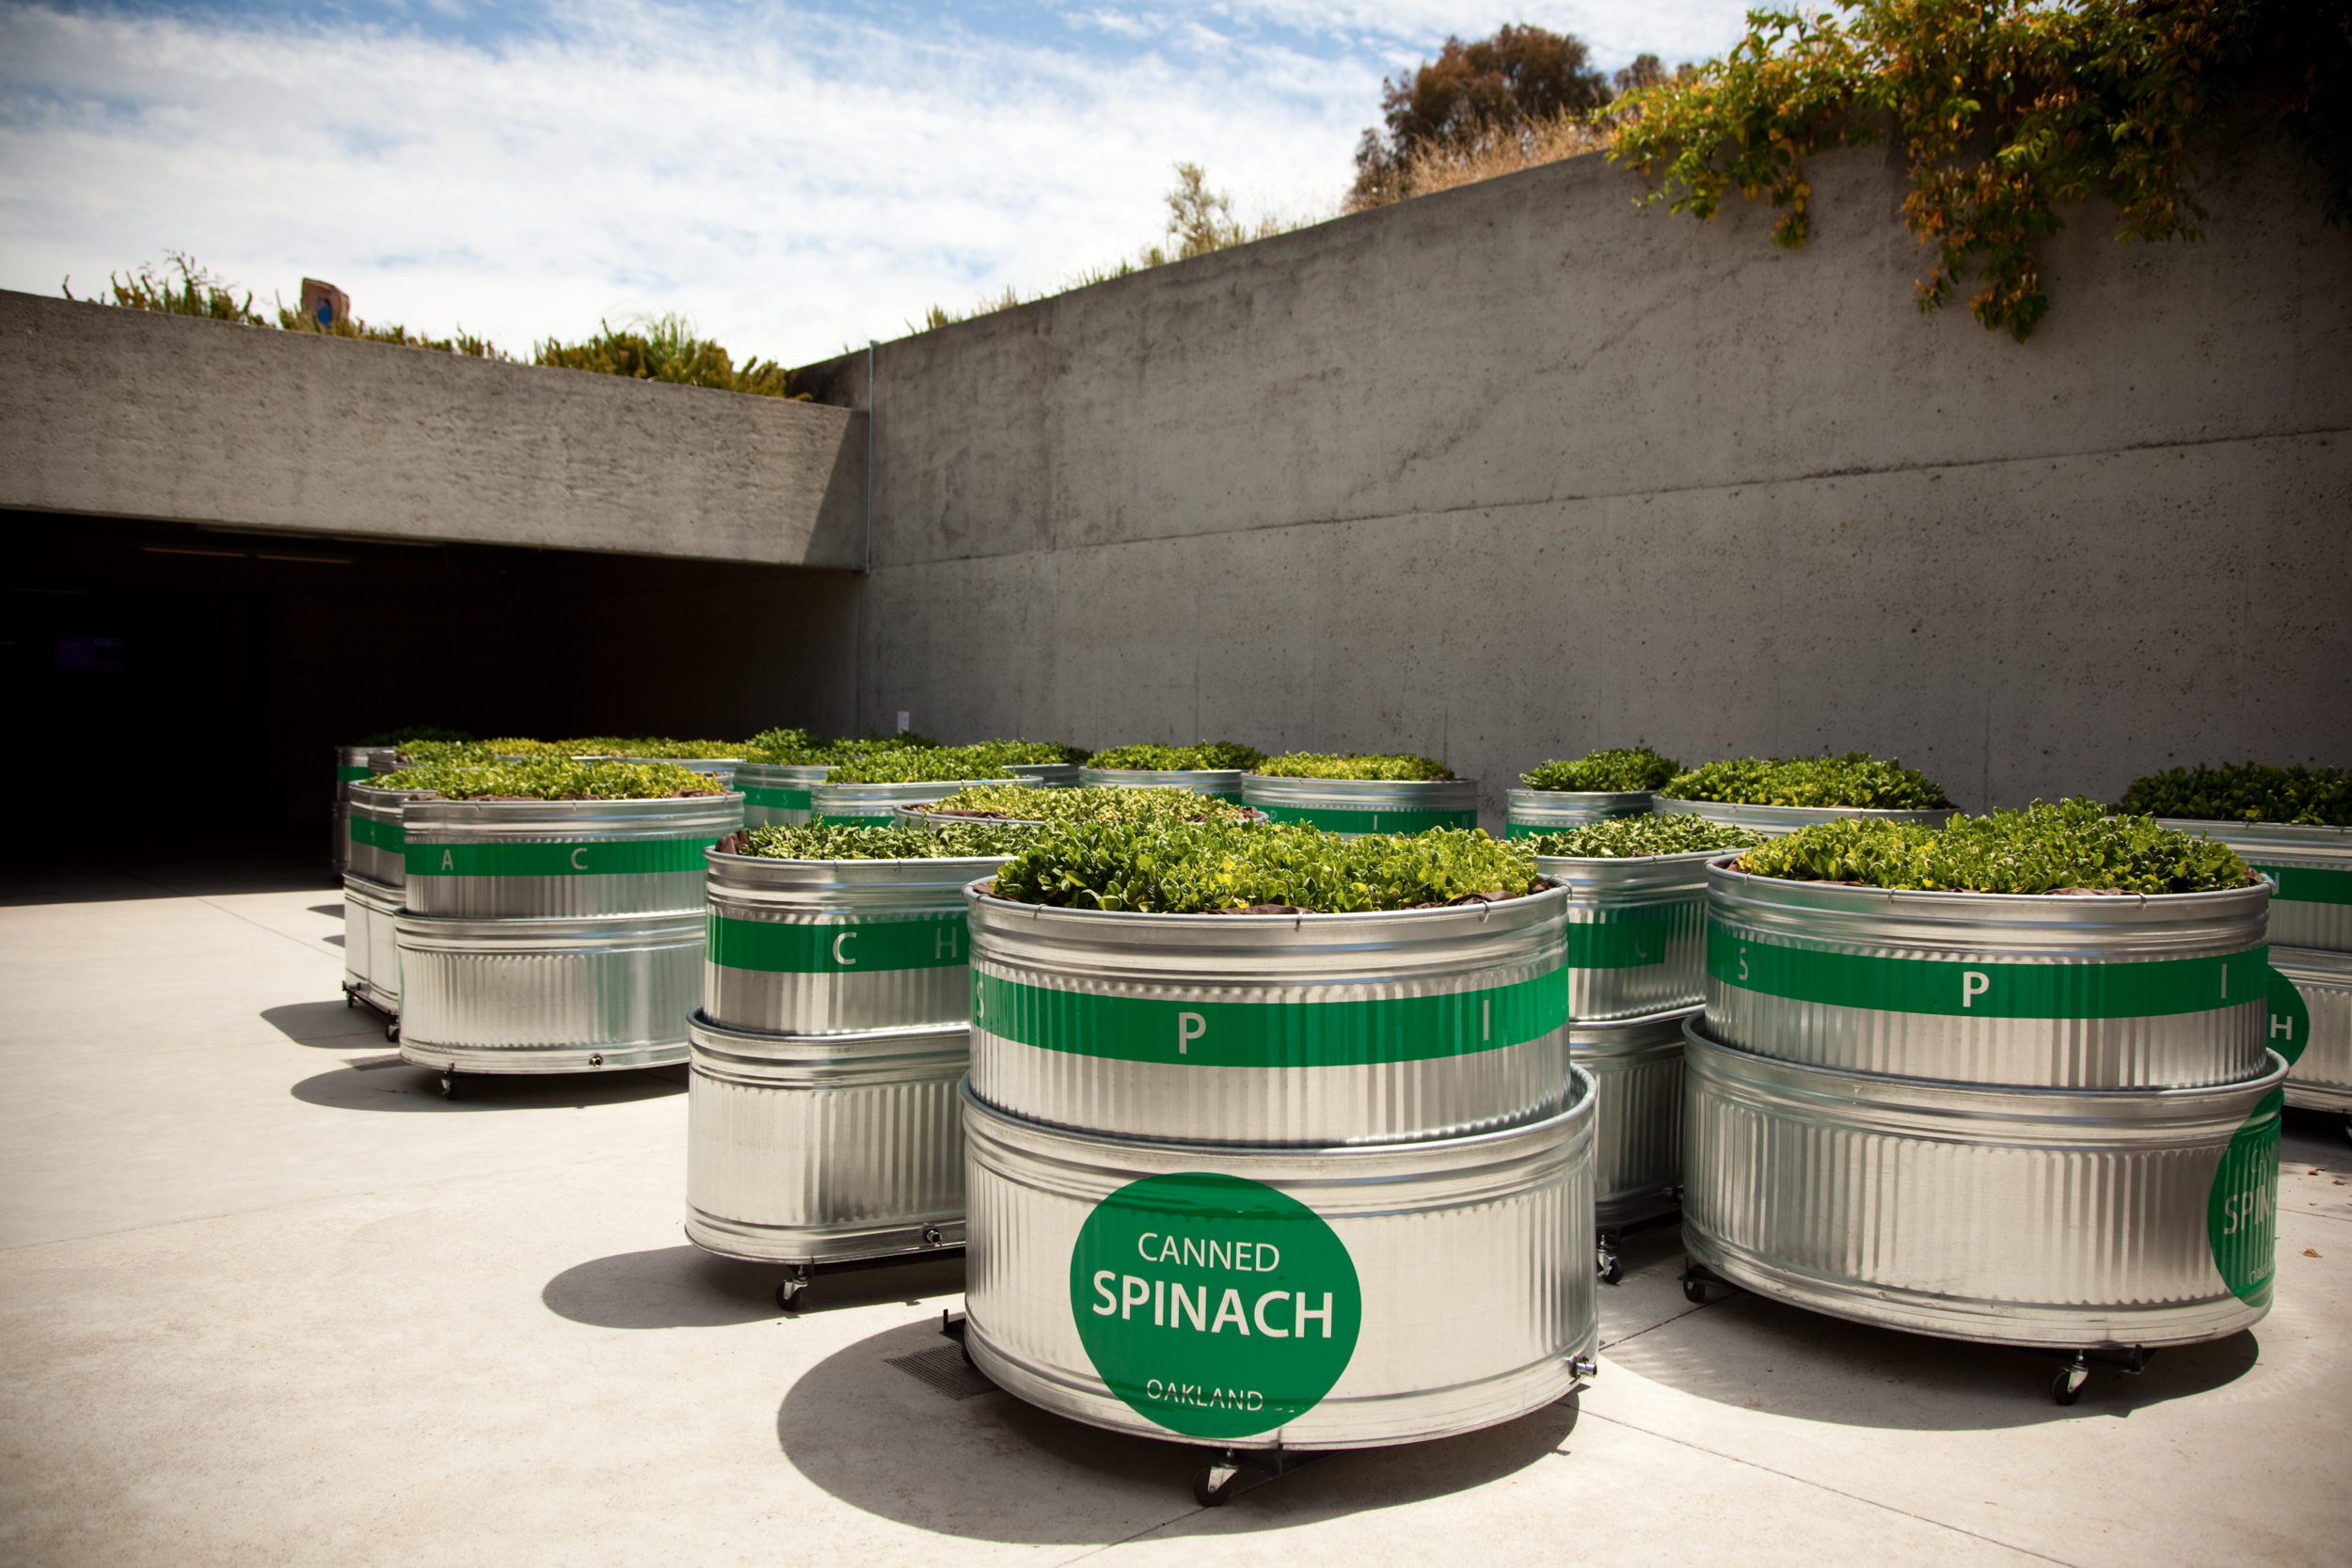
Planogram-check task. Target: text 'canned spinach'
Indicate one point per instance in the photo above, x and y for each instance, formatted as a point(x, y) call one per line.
point(1215, 1306)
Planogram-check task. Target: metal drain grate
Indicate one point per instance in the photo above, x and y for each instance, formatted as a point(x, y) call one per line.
point(945, 1370)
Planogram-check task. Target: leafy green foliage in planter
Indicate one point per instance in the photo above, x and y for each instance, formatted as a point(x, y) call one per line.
point(1202, 756)
point(1095, 803)
point(1622, 768)
point(1631, 837)
point(1203, 870)
point(919, 765)
point(2073, 845)
point(951, 841)
point(553, 779)
point(1857, 781)
point(416, 733)
point(1006, 752)
point(2245, 792)
point(1401, 765)
point(698, 750)
point(448, 753)
point(798, 749)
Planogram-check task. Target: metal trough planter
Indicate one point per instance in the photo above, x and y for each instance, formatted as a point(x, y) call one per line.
point(1636, 932)
point(1224, 782)
point(1353, 807)
point(1306, 1029)
point(482, 860)
point(352, 765)
point(1530, 812)
point(1290, 1299)
point(1774, 821)
point(872, 805)
point(371, 945)
point(1047, 775)
point(1636, 1065)
point(777, 795)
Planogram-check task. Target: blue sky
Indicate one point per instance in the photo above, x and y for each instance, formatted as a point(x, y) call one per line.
point(795, 177)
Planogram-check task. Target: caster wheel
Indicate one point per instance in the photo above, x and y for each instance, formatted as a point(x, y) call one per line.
point(1215, 1486)
point(449, 1086)
point(391, 1033)
point(2067, 1386)
point(349, 1000)
point(1694, 1293)
point(1612, 1268)
point(792, 1295)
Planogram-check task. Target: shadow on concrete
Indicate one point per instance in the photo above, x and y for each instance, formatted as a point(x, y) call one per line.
point(334, 910)
point(335, 1026)
point(992, 1469)
point(419, 1089)
point(1759, 1354)
point(2316, 1138)
point(684, 1287)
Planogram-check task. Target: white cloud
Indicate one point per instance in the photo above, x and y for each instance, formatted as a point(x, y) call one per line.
point(794, 181)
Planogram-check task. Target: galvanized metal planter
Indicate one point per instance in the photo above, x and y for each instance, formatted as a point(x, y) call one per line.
point(806, 1149)
point(1774, 821)
point(1530, 812)
point(482, 860)
point(2313, 868)
point(812, 947)
point(1636, 932)
point(2032, 1216)
point(1321, 1298)
point(870, 805)
point(2045, 992)
point(1047, 775)
point(1636, 1065)
point(1224, 782)
point(371, 947)
point(1353, 807)
point(777, 795)
point(547, 995)
point(352, 765)
point(722, 769)
point(1302, 1030)
point(2322, 1079)
point(379, 846)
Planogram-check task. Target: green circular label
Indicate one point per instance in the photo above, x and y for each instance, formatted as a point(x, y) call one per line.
point(1213, 1306)
point(2290, 1019)
point(2242, 1210)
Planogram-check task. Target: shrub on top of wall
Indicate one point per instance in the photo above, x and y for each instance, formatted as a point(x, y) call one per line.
point(1857, 781)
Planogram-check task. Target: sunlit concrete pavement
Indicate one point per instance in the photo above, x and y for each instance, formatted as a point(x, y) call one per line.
point(264, 1297)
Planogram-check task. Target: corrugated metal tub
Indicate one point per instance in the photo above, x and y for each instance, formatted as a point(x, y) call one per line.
point(870, 805)
point(1357, 807)
point(1636, 1065)
point(379, 850)
point(778, 796)
point(371, 945)
point(1530, 812)
point(1222, 782)
point(2056, 1217)
point(1636, 932)
point(483, 860)
point(2322, 1080)
point(1047, 775)
point(823, 1149)
point(1312, 1298)
point(2313, 868)
point(352, 765)
point(1774, 821)
point(1306, 1029)
point(808, 947)
point(547, 995)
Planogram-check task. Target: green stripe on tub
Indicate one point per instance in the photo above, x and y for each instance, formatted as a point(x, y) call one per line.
point(377, 836)
point(2151, 989)
point(1618, 944)
point(612, 857)
point(2309, 884)
point(347, 773)
point(1335, 819)
point(776, 799)
point(838, 947)
point(1271, 1034)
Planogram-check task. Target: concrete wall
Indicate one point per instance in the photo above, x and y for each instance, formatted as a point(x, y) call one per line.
point(1512, 471)
point(120, 413)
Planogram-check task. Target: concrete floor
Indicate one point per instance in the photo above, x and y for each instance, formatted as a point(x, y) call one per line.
point(264, 1297)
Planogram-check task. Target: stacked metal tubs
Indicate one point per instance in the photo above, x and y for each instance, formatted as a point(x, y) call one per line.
point(822, 1120)
point(374, 882)
point(1353, 807)
point(1530, 812)
point(554, 936)
point(1278, 1181)
point(2036, 1120)
point(2310, 947)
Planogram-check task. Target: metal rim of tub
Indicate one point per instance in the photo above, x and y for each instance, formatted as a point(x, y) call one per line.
point(2322, 1079)
point(2312, 867)
point(1225, 782)
point(1772, 821)
point(720, 768)
point(1360, 806)
point(558, 860)
point(778, 794)
point(1271, 1029)
point(1516, 1214)
point(824, 1149)
point(1636, 1065)
point(2029, 989)
point(1984, 1221)
point(1636, 932)
point(813, 947)
point(1530, 812)
point(871, 804)
point(1047, 775)
point(916, 816)
point(569, 996)
point(378, 845)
